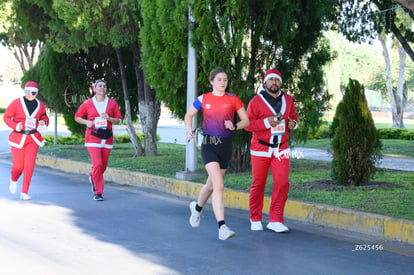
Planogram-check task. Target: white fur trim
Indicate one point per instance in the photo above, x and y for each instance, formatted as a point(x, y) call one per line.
point(272, 76)
point(99, 145)
point(16, 145)
point(38, 142)
point(31, 89)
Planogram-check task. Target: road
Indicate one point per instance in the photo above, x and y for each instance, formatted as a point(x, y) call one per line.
point(138, 231)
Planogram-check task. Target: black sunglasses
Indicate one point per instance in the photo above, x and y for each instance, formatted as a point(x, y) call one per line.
point(32, 93)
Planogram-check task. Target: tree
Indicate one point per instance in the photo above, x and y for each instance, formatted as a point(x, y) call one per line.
point(72, 26)
point(409, 4)
point(65, 80)
point(396, 98)
point(363, 21)
point(356, 145)
point(244, 37)
point(24, 50)
point(389, 19)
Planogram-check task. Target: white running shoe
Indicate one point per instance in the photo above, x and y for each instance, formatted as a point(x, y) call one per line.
point(92, 184)
point(13, 187)
point(277, 227)
point(25, 197)
point(225, 233)
point(195, 215)
point(256, 226)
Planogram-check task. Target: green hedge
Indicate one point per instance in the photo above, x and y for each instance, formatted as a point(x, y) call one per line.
point(64, 140)
point(396, 133)
point(76, 139)
point(322, 133)
point(384, 133)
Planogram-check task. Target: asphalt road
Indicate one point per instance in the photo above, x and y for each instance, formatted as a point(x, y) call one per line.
point(138, 231)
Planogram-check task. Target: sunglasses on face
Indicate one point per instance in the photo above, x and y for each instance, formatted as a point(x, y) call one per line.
point(31, 93)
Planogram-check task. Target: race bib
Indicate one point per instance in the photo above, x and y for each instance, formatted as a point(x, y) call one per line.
point(279, 130)
point(30, 124)
point(100, 123)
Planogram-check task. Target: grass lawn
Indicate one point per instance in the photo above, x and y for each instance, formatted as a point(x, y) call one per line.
point(390, 193)
point(391, 147)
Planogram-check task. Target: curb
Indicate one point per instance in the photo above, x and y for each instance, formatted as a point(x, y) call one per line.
point(372, 224)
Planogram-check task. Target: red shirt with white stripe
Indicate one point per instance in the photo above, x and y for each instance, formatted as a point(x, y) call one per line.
point(17, 113)
point(91, 109)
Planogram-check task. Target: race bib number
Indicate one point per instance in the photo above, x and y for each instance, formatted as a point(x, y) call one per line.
point(100, 123)
point(30, 124)
point(279, 130)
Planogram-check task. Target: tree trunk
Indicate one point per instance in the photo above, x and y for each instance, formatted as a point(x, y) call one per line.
point(149, 107)
point(399, 100)
point(149, 115)
point(130, 126)
point(409, 4)
point(403, 41)
point(22, 55)
point(394, 29)
point(240, 160)
point(394, 111)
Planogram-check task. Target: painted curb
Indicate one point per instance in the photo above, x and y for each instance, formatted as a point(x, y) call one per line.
point(336, 217)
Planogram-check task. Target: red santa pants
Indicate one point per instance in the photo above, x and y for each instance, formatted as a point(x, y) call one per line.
point(100, 157)
point(24, 159)
point(280, 175)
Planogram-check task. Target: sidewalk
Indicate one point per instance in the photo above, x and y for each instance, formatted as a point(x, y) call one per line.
point(402, 164)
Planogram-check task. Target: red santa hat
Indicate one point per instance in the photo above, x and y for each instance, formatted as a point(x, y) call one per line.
point(31, 86)
point(272, 74)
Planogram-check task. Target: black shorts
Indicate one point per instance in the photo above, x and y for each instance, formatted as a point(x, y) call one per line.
point(216, 149)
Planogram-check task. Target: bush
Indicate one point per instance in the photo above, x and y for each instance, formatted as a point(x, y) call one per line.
point(395, 133)
point(125, 138)
point(73, 126)
point(322, 133)
point(356, 145)
point(65, 140)
point(78, 139)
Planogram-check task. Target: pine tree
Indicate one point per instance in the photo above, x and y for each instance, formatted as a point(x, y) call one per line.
point(356, 145)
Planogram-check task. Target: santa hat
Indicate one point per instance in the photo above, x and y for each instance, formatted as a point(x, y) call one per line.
point(272, 74)
point(31, 86)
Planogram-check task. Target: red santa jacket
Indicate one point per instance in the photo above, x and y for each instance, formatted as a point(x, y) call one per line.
point(17, 113)
point(258, 111)
point(89, 108)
